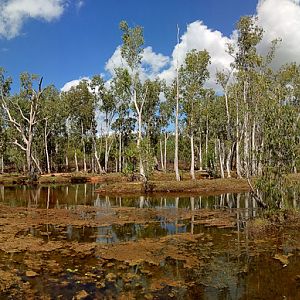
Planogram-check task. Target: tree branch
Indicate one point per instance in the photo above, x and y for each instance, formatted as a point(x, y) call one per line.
point(19, 145)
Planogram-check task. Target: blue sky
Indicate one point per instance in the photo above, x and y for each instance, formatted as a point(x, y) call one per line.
point(73, 39)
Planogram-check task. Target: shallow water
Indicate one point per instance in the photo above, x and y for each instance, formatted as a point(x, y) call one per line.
point(230, 263)
point(70, 196)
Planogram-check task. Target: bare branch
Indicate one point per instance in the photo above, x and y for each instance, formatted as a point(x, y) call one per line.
point(10, 118)
point(40, 84)
point(254, 193)
point(19, 145)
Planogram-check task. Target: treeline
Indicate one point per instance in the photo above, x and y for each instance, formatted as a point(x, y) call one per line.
point(127, 124)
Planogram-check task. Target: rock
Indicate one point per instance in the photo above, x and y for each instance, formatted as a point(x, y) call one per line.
point(110, 265)
point(284, 259)
point(111, 277)
point(100, 285)
point(31, 274)
point(81, 295)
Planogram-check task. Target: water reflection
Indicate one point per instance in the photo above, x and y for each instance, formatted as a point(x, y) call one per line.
point(113, 233)
point(70, 196)
point(232, 266)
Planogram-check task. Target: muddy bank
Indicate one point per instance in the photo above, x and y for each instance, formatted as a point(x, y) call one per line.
point(61, 178)
point(118, 184)
point(186, 187)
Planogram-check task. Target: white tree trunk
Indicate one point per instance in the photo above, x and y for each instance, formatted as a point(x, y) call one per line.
point(46, 147)
point(206, 141)
point(176, 163)
point(120, 152)
point(76, 161)
point(2, 164)
point(165, 151)
point(139, 110)
point(238, 159)
point(161, 156)
point(83, 148)
point(200, 154)
point(106, 154)
point(192, 171)
point(220, 159)
point(67, 163)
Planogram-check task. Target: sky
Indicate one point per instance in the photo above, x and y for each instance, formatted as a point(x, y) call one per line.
point(66, 40)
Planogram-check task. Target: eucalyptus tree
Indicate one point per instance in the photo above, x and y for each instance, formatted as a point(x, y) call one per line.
point(106, 102)
point(246, 63)
point(54, 113)
point(82, 118)
point(223, 79)
point(131, 51)
point(124, 123)
point(3, 140)
point(288, 78)
point(22, 114)
point(174, 105)
point(97, 85)
point(165, 112)
point(177, 112)
point(278, 148)
point(4, 93)
point(193, 75)
point(151, 116)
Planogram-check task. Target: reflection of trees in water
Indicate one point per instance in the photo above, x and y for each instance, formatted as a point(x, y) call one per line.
point(222, 276)
point(83, 194)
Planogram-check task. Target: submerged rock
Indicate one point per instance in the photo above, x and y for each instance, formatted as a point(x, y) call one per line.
point(81, 295)
point(31, 274)
point(284, 259)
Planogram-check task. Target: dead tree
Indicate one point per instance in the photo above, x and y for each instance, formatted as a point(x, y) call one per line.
point(25, 127)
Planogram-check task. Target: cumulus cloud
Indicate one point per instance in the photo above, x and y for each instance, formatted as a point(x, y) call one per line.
point(280, 19)
point(13, 14)
point(198, 36)
point(115, 61)
point(152, 63)
point(73, 83)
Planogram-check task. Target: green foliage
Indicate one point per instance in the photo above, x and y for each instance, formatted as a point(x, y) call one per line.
point(131, 155)
point(147, 156)
point(133, 41)
point(193, 75)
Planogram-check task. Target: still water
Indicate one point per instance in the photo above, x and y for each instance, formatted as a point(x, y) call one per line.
point(70, 196)
point(232, 263)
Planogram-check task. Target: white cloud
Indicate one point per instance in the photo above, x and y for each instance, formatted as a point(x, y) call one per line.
point(281, 19)
point(115, 61)
point(155, 62)
point(13, 13)
point(152, 63)
point(198, 36)
point(73, 83)
point(79, 4)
